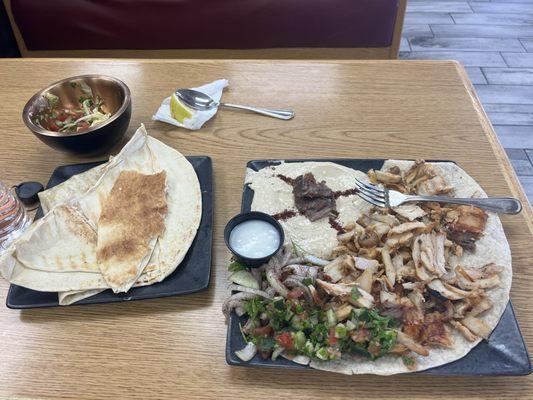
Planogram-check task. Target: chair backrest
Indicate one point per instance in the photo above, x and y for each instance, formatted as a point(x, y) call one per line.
point(209, 28)
point(8, 43)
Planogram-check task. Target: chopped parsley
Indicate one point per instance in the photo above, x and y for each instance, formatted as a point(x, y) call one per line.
point(307, 281)
point(316, 333)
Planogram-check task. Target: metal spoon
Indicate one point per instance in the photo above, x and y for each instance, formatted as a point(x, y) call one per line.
point(202, 102)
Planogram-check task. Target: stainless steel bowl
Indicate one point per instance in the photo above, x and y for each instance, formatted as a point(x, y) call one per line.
point(97, 139)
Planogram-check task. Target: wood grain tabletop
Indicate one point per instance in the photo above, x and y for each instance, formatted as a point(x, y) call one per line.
point(174, 347)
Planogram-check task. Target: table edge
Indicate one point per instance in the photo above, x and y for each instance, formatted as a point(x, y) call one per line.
point(508, 171)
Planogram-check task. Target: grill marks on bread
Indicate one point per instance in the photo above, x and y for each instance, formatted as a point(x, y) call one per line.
point(131, 217)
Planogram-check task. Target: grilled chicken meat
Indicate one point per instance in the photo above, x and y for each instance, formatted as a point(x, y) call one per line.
point(466, 226)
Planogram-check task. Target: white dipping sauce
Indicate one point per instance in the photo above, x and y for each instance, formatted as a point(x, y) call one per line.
point(254, 238)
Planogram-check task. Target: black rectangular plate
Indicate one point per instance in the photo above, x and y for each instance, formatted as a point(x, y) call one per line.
point(191, 276)
point(505, 352)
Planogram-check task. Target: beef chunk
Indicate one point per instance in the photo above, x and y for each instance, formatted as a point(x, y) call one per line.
point(312, 199)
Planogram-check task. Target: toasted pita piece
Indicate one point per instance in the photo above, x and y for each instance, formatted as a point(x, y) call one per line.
point(131, 220)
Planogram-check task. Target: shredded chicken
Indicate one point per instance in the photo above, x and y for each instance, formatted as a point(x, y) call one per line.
point(344, 291)
point(387, 177)
point(366, 279)
point(339, 268)
point(477, 326)
point(409, 211)
point(407, 226)
point(363, 264)
point(412, 345)
point(464, 331)
point(435, 185)
point(390, 270)
point(448, 291)
point(399, 240)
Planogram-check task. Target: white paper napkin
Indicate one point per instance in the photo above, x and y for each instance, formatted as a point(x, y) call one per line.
point(213, 89)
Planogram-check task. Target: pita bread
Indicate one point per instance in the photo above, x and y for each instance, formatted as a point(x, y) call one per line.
point(77, 184)
point(144, 155)
point(130, 222)
point(62, 241)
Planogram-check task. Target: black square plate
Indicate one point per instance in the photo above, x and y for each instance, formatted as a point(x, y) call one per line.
point(505, 352)
point(191, 276)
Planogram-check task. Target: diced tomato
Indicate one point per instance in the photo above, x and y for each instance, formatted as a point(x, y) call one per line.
point(62, 116)
point(295, 294)
point(53, 126)
point(285, 340)
point(82, 125)
point(332, 340)
point(263, 331)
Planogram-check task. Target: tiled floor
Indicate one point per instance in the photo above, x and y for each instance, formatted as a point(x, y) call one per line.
point(494, 41)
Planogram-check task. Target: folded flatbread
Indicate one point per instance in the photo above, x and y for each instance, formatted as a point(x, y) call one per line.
point(130, 222)
point(143, 155)
point(61, 241)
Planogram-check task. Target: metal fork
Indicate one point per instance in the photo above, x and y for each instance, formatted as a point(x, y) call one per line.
point(382, 197)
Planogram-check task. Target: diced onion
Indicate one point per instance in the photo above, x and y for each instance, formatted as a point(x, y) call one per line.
point(277, 351)
point(315, 260)
point(244, 289)
point(247, 353)
point(303, 360)
point(299, 359)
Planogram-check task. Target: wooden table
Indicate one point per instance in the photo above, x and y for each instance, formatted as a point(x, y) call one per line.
point(174, 347)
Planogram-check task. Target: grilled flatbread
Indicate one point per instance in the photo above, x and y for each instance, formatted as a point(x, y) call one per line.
point(131, 221)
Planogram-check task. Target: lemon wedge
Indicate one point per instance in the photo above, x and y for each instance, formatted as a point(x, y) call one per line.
point(178, 110)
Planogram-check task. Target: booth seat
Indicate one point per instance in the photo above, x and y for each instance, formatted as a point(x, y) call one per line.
point(208, 28)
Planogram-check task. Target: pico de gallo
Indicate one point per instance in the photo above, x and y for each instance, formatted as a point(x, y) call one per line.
point(56, 118)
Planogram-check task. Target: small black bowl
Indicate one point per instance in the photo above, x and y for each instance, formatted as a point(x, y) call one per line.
point(97, 139)
point(247, 216)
